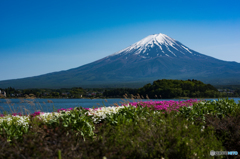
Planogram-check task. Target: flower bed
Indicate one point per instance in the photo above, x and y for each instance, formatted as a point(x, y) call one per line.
point(99, 114)
point(15, 124)
point(191, 129)
point(165, 105)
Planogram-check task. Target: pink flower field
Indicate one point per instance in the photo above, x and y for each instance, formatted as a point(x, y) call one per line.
point(157, 105)
point(166, 105)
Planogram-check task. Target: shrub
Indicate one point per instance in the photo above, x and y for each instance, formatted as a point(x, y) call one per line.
point(227, 130)
point(220, 109)
point(158, 136)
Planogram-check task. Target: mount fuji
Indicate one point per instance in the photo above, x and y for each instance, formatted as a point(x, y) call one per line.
point(155, 57)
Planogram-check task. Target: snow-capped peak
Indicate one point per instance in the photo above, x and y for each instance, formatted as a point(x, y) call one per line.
point(155, 39)
point(160, 43)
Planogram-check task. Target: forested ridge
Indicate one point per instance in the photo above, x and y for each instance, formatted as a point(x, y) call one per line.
point(178, 88)
point(168, 89)
point(159, 89)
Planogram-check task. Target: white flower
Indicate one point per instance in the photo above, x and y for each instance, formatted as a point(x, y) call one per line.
point(97, 115)
point(101, 113)
point(46, 117)
point(203, 127)
point(19, 120)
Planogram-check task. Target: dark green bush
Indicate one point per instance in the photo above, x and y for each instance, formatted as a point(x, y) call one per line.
point(159, 136)
point(220, 109)
point(227, 130)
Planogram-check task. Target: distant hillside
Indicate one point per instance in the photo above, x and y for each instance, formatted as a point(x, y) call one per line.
point(167, 89)
point(178, 88)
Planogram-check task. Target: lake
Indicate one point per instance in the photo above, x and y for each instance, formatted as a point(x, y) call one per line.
point(47, 105)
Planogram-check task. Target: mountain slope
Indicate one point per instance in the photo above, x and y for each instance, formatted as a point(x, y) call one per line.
point(154, 57)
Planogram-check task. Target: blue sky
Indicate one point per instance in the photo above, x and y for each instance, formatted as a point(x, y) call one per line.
point(40, 36)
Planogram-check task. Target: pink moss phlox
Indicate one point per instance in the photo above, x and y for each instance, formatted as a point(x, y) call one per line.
point(15, 114)
point(36, 113)
point(165, 105)
point(63, 109)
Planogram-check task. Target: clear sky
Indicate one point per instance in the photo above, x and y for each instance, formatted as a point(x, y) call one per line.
point(43, 36)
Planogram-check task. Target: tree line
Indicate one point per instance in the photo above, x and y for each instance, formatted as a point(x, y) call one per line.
point(76, 92)
point(164, 89)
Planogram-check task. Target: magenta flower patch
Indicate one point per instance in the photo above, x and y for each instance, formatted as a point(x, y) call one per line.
point(165, 105)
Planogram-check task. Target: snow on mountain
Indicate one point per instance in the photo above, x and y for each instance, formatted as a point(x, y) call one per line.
point(157, 45)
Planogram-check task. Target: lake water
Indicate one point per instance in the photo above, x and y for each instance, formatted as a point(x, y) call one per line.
point(46, 105)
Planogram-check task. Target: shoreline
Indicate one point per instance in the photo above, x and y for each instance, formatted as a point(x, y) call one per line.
point(123, 98)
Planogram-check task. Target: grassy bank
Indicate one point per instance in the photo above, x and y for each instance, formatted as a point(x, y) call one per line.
point(163, 129)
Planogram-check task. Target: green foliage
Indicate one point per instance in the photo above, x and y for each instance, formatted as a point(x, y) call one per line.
point(76, 120)
point(77, 92)
point(226, 130)
point(159, 89)
point(74, 92)
point(13, 130)
point(128, 114)
point(234, 87)
point(120, 92)
point(157, 136)
point(178, 88)
point(10, 91)
point(220, 109)
point(168, 89)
